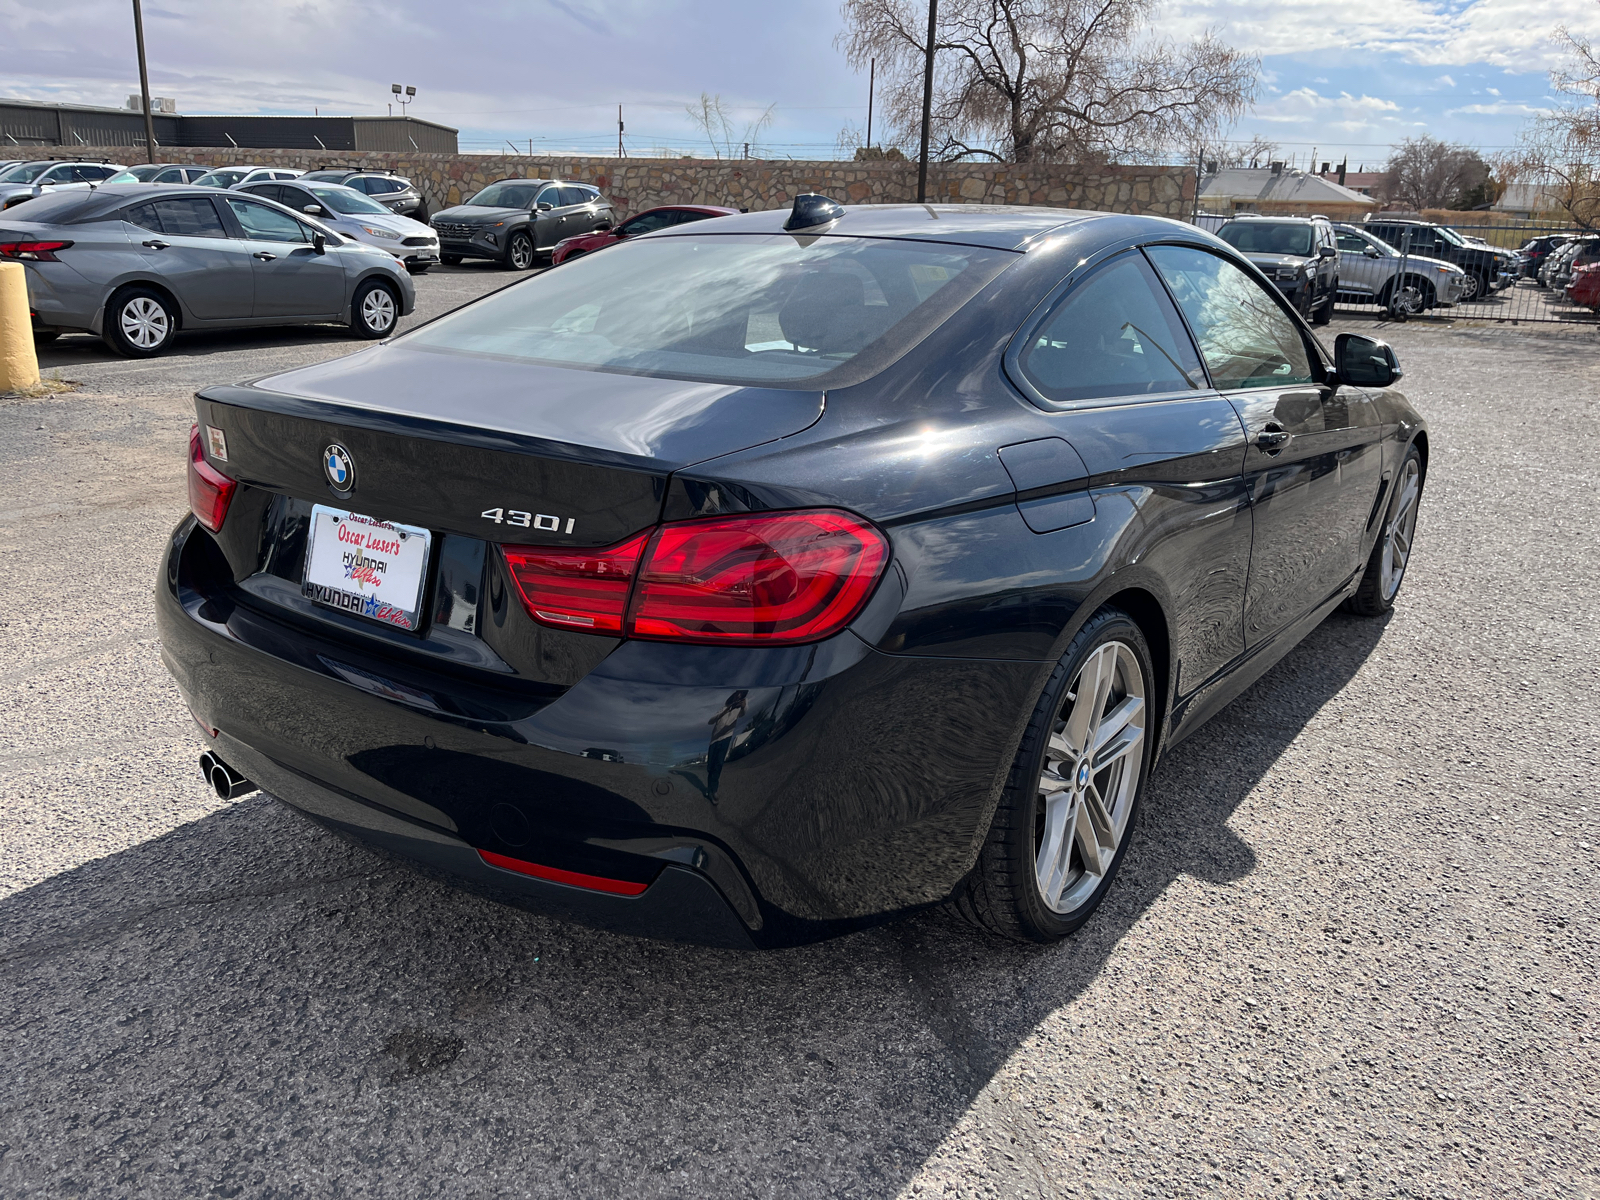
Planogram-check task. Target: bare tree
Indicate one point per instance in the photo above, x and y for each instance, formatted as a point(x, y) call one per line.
point(716, 120)
point(1559, 153)
point(1257, 152)
point(1037, 80)
point(1424, 172)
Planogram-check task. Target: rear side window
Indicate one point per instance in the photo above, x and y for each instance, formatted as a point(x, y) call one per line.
point(575, 195)
point(651, 221)
point(1246, 338)
point(1352, 242)
point(1114, 335)
point(185, 216)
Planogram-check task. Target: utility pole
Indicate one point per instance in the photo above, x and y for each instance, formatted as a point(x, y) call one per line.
point(927, 105)
point(872, 79)
point(619, 132)
point(144, 86)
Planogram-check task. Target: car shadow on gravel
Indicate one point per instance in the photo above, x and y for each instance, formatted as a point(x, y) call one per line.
point(77, 349)
point(248, 1001)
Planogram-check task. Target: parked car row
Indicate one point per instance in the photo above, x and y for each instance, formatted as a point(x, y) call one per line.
point(23, 181)
point(1562, 263)
point(1487, 267)
point(357, 216)
point(137, 262)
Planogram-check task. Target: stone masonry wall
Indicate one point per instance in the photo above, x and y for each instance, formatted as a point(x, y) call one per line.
point(635, 184)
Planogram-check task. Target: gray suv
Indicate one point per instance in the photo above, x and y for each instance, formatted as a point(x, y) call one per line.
point(1369, 267)
point(1296, 253)
point(392, 191)
point(516, 220)
point(137, 262)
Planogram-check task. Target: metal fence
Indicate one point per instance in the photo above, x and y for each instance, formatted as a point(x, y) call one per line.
point(1408, 289)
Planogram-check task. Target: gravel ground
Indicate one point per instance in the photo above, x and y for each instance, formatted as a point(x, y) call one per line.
point(1352, 953)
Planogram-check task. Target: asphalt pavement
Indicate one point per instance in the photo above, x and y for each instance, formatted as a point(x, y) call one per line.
point(1352, 952)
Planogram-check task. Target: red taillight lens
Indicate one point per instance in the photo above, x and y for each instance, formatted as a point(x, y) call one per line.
point(757, 580)
point(209, 489)
point(585, 590)
point(762, 580)
point(32, 251)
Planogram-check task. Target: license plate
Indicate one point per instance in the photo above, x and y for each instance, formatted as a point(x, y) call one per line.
point(374, 569)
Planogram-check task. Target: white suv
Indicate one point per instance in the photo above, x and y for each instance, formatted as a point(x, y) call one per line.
point(29, 179)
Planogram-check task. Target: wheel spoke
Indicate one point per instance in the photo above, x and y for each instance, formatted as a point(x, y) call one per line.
point(1091, 847)
point(1055, 847)
point(1118, 734)
point(1094, 684)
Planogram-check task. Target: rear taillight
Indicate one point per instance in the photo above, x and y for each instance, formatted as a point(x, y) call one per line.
point(209, 489)
point(32, 251)
point(760, 580)
point(576, 589)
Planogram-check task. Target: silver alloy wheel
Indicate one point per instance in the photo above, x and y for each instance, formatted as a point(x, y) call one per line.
point(521, 252)
point(1469, 287)
point(144, 322)
point(377, 309)
point(1397, 534)
point(1090, 777)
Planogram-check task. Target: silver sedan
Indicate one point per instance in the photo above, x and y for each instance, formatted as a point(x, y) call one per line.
point(351, 214)
point(135, 263)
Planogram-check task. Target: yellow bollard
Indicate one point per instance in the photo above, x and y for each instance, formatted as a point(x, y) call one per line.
point(19, 365)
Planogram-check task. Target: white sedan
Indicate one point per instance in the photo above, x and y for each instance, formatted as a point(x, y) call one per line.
point(353, 215)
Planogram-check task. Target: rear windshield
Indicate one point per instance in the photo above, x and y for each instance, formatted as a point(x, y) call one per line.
point(758, 309)
point(56, 208)
point(506, 195)
point(348, 200)
point(1264, 237)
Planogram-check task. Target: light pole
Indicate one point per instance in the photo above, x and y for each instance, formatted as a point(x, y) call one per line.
point(403, 96)
point(927, 105)
point(144, 86)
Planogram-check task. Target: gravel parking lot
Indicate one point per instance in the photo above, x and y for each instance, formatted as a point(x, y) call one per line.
point(1352, 953)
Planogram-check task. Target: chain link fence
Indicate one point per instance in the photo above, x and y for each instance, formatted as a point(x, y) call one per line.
point(1515, 272)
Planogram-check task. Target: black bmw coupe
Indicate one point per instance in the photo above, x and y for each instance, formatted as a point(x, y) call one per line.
point(760, 579)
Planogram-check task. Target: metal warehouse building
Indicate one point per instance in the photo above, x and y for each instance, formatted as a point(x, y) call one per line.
point(32, 123)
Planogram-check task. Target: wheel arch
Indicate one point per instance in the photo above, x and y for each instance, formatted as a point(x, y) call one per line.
point(1151, 618)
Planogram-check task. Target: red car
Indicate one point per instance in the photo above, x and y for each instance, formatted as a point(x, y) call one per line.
point(1585, 286)
point(646, 222)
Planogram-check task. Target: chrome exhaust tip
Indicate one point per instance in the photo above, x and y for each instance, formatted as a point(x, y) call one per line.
point(227, 783)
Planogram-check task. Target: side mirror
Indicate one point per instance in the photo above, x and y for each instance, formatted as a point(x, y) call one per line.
point(1327, 252)
point(543, 206)
point(318, 242)
point(314, 209)
point(1365, 362)
point(602, 226)
point(1372, 252)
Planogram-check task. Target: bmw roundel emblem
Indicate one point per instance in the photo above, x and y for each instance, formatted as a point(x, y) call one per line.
point(340, 469)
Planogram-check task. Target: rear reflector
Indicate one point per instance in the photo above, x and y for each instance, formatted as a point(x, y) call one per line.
point(766, 579)
point(595, 883)
point(209, 489)
point(576, 589)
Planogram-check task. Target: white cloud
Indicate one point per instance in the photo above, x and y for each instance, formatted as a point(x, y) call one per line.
point(1343, 114)
point(1501, 108)
point(1446, 80)
point(1512, 34)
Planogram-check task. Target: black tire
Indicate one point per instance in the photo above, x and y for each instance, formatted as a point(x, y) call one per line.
point(1307, 304)
point(418, 268)
point(1003, 894)
point(370, 317)
point(1378, 590)
point(139, 322)
point(521, 253)
point(1325, 314)
point(450, 260)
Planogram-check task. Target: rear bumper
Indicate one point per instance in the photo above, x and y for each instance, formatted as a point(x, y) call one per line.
point(850, 785)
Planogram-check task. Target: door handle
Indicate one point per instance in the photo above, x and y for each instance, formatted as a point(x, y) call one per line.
point(156, 244)
point(264, 255)
point(1273, 438)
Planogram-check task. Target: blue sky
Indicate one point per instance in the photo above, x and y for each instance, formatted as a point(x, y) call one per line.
point(1339, 76)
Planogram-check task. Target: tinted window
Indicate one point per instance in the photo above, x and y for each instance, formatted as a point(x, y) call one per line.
point(265, 224)
point(171, 175)
point(575, 195)
point(650, 221)
point(1245, 336)
point(1115, 334)
point(92, 174)
point(749, 308)
point(1353, 241)
point(144, 216)
point(61, 174)
point(268, 191)
point(188, 216)
point(550, 196)
point(1269, 237)
point(24, 173)
point(506, 195)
